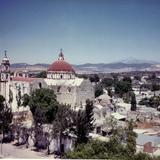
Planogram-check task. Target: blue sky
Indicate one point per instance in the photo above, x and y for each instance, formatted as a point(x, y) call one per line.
point(93, 31)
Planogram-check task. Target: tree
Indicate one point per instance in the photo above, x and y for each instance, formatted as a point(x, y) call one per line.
point(143, 156)
point(133, 102)
point(43, 105)
point(107, 82)
point(63, 123)
point(10, 97)
point(155, 87)
point(122, 87)
point(85, 76)
point(94, 149)
point(84, 123)
point(5, 116)
point(110, 93)
point(19, 98)
point(127, 79)
point(25, 100)
point(42, 74)
point(130, 139)
point(94, 78)
point(98, 90)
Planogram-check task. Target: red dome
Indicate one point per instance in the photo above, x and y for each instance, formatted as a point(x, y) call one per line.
point(61, 65)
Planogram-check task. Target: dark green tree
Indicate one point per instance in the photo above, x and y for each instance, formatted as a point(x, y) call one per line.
point(94, 78)
point(98, 90)
point(110, 93)
point(42, 74)
point(155, 87)
point(10, 97)
point(25, 100)
point(5, 116)
point(43, 105)
point(130, 139)
point(122, 87)
point(133, 102)
point(107, 82)
point(94, 149)
point(19, 98)
point(62, 124)
point(84, 123)
point(143, 156)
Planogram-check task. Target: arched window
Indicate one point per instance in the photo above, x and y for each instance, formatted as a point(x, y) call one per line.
point(61, 76)
point(40, 85)
point(58, 89)
point(69, 89)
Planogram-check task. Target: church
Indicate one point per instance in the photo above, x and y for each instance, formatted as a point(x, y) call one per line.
point(61, 77)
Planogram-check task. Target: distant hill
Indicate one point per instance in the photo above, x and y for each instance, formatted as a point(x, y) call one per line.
point(99, 67)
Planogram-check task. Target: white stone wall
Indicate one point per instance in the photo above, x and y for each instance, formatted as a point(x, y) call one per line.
point(25, 89)
point(83, 92)
point(4, 90)
point(65, 94)
point(74, 92)
point(76, 96)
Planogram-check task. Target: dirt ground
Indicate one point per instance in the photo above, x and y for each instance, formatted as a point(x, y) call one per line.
point(10, 151)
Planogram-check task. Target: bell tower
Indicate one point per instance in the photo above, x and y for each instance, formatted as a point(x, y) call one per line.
point(5, 76)
point(5, 69)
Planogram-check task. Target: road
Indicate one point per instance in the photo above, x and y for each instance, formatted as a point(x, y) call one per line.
point(11, 151)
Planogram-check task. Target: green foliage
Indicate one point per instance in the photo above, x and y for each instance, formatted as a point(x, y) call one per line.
point(137, 77)
point(93, 150)
point(114, 149)
point(133, 102)
point(84, 123)
point(131, 139)
point(107, 82)
point(122, 87)
point(43, 105)
point(25, 100)
point(110, 93)
point(82, 76)
point(63, 123)
point(142, 156)
point(155, 87)
point(152, 76)
point(19, 97)
point(127, 97)
point(5, 116)
point(94, 78)
point(151, 102)
point(10, 96)
point(98, 90)
point(63, 120)
point(42, 74)
point(127, 79)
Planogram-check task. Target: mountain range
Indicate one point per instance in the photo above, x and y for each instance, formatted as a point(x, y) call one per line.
point(121, 66)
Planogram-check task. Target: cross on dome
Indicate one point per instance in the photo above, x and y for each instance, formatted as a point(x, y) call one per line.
point(61, 55)
point(5, 53)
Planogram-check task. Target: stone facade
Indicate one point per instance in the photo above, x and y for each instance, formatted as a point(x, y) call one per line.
point(60, 77)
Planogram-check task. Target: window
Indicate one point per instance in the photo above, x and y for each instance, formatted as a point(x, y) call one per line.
point(58, 89)
point(69, 89)
point(40, 85)
point(61, 76)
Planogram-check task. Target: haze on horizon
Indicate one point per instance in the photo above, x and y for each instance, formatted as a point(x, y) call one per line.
point(88, 31)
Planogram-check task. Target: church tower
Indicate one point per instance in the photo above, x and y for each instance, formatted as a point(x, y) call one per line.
point(5, 69)
point(4, 76)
